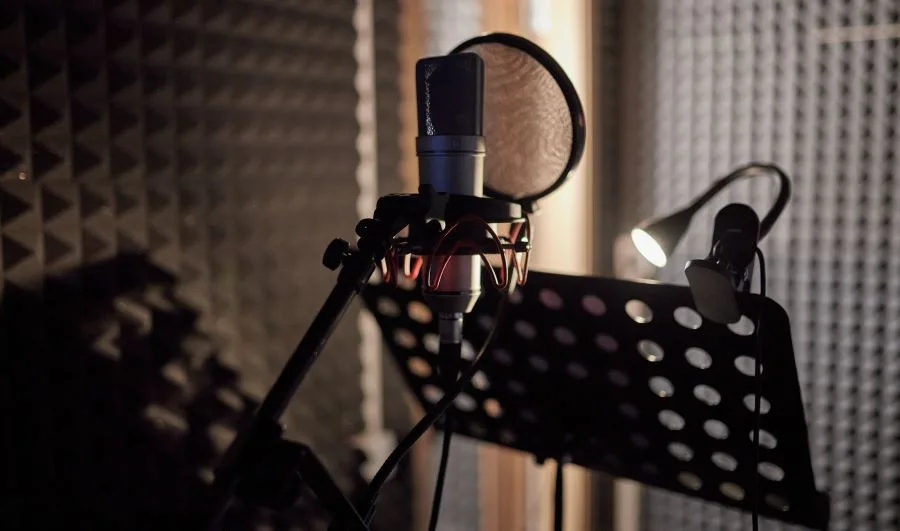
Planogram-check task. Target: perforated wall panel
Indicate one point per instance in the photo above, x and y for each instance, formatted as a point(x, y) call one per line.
point(812, 86)
point(170, 172)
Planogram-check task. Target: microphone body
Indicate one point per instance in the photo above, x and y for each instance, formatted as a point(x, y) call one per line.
point(451, 149)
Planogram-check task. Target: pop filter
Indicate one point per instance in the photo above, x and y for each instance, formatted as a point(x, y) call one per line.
point(534, 124)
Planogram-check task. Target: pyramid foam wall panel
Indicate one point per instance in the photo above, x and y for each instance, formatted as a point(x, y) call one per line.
point(170, 172)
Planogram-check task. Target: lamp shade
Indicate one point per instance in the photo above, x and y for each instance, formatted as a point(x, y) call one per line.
point(655, 239)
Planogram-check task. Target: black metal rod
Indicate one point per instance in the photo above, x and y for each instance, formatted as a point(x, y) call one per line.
point(316, 476)
point(356, 271)
point(307, 352)
point(559, 508)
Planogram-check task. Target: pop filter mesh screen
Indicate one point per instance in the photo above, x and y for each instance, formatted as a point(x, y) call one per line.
point(528, 126)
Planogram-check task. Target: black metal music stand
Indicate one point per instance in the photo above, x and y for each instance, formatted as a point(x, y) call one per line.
point(627, 378)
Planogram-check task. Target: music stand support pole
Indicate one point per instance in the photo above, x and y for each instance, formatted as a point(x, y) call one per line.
point(260, 465)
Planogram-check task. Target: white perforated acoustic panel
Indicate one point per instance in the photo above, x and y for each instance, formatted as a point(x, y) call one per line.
point(811, 86)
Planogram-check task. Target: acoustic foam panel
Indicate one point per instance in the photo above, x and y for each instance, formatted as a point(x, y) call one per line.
point(170, 172)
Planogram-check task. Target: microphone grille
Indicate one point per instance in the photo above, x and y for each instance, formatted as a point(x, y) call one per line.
point(449, 92)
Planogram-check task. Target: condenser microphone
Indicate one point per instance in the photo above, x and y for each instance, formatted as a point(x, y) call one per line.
point(450, 147)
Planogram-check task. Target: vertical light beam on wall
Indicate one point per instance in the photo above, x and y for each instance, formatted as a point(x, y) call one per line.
point(375, 442)
point(563, 240)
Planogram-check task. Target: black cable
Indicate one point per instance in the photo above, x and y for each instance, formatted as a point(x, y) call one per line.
point(450, 357)
point(442, 471)
point(558, 507)
point(370, 496)
point(759, 388)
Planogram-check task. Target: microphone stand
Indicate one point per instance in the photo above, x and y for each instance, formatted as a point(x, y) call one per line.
point(260, 466)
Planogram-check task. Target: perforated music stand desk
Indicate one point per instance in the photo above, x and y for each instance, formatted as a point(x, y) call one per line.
point(626, 378)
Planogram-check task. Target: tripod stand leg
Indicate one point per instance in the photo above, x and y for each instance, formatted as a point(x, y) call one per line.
point(356, 271)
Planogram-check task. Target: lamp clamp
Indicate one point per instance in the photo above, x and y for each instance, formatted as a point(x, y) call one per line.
point(728, 268)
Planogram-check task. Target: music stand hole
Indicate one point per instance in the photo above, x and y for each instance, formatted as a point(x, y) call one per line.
point(638, 311)
point(516, 387)
point(606, 342)
point(525, 329)
point(766, 439)
point(593, 305)
point(681, 451)
point(432, 393)
point(698, 358)
point(689, 481)
point(406, 283)
point(550, 299)
point(503, 357)
point(744, 326)
point(515, 297)
point(661, 387)
point(419, 367)
point(750, 404)
point(650, 350)
point(612, 461)
point(477, 429)
point(419, 312)
point(564, 336)
point(539, 363)
point(777, 502)
point(629, 410)
point(493, 408)
point(688, 318)
point(465, 402)
point(507, 437)
point(732, 491)
point(387, 306)
point(771, 471)
point(716, 429)
point(747, 366)
point(707, 395)
point(432, 342)
point(480, 381)
point(649, 469)
point(468, 351)
point(724, 461)
point(577, 371)
point(640, 441)
point(404, 338)
point(528, 415)
point(671, 420)
point(617, 377)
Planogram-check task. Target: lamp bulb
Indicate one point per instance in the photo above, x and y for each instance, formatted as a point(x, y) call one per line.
point(648, 247)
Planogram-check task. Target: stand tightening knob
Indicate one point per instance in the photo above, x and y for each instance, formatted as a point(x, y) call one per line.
point(335, 253)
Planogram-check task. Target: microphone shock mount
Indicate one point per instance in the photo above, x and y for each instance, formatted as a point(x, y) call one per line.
point(263, 468)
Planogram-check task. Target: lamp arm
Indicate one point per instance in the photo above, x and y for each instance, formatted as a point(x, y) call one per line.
point(752, 170)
